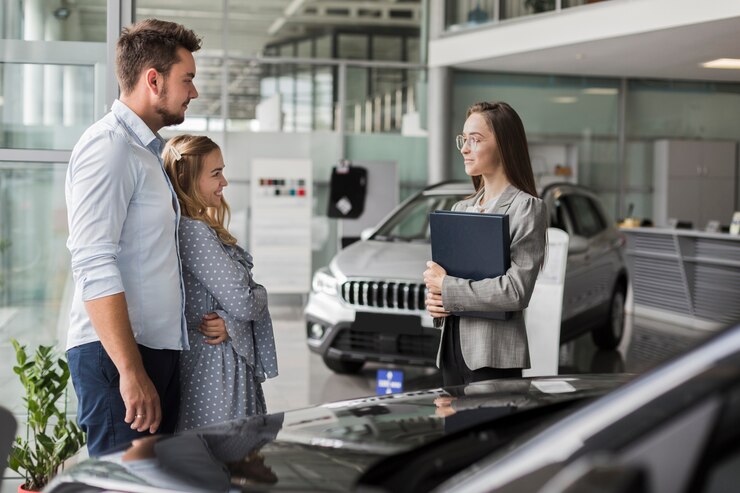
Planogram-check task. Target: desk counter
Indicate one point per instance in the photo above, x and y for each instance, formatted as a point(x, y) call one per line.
point(687, 276)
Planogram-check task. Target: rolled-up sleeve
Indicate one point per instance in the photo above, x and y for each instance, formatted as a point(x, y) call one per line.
point(101, 183)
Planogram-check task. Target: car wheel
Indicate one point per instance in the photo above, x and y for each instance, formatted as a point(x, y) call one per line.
point(609, 333)
point(343, 366)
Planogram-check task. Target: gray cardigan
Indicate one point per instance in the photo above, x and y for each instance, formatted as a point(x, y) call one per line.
point(500, 343)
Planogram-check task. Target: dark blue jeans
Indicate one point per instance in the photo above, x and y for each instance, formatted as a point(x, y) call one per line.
point(101, 411)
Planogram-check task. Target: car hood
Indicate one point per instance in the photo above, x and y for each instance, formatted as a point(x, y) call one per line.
point(322, 448)
point(383, 260)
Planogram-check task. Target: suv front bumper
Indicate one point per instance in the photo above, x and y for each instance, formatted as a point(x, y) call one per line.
point(356, 334)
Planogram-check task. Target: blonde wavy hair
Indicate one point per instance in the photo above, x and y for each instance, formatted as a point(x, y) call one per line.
point(184, 156)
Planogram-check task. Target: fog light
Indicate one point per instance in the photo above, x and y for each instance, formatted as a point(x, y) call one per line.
point(317, 331)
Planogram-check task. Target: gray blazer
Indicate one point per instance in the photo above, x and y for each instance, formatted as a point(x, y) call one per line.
point(500, 343)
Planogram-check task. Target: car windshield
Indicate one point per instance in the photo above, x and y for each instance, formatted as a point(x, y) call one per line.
point(411, 223)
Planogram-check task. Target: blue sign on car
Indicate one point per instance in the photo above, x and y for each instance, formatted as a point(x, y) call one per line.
point(389, 382)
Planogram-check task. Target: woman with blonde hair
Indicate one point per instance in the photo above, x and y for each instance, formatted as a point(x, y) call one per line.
point(221, 375)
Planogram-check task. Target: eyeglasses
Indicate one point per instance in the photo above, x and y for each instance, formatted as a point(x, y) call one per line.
point(461, 140)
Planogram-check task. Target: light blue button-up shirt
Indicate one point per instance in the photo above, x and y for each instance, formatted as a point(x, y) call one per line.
point(123, 216)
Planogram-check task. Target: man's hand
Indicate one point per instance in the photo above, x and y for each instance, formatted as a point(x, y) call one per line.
point(140, 397)
point(109, 316)
point(214, 328)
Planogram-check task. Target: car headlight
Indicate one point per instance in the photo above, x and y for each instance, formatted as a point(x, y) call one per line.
point(324, 282)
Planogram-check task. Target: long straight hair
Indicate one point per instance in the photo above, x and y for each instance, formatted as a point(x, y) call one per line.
point(508, 131)
point(184, 156)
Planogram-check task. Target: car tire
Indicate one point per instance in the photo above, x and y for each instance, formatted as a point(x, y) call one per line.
point(609, 334)
point(344, 367)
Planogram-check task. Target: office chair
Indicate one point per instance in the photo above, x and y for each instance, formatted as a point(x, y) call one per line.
point(8, 427)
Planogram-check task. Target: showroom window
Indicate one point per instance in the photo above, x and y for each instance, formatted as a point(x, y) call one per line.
point(53, 85)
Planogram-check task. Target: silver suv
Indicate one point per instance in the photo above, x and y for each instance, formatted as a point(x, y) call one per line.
point(368, 304)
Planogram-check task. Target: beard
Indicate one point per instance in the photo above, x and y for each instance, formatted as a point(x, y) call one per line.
point(168, 118)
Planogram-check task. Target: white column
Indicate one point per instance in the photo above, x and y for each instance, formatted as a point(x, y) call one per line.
point(12, 108)
point(53, 76)
point(438, 124)
point(76, 101)
point(74, 96)
point(12, 21)
point(33, 84)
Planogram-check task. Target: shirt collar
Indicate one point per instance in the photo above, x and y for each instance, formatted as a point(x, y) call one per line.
point(137, 126)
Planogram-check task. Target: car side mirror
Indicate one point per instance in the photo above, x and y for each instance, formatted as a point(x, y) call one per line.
point(577, 244)
point(591, 474)
point(366, 233)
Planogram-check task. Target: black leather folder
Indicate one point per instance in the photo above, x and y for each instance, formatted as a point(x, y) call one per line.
point(470, 245)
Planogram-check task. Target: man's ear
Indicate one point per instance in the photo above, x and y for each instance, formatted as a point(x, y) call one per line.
point(154, 80)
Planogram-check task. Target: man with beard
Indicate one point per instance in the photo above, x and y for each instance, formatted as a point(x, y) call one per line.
point(127, 325)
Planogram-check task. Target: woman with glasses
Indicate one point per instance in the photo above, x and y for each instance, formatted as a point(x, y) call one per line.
point(221, 375)
point(495, 155)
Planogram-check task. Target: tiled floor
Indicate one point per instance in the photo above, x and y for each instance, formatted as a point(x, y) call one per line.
point(304, 380)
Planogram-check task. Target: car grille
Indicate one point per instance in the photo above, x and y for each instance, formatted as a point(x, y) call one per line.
point(396, 345)
point(403, 296)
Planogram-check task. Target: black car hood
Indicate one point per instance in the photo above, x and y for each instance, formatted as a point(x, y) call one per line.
point(322, 448)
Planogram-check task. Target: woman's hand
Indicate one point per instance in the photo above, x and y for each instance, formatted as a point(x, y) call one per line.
point(214, 328)
point(434, 306)
point(434, 276)
point(444, 406)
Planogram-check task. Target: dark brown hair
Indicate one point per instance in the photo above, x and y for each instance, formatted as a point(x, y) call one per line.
point(150, 43)
point(184, 165)
point(508, 131)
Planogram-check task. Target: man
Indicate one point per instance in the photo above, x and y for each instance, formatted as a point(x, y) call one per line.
point(127, 324)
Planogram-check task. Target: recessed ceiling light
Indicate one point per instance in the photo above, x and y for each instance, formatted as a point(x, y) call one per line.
point(601, 91)
point(725, 63)
point(564, 99)
point(580, 56)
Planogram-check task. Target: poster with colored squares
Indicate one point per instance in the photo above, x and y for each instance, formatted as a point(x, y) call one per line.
point(282, 187)
point(280, 224)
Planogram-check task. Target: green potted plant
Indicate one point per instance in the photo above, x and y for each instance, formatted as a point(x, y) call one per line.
point(51, 438)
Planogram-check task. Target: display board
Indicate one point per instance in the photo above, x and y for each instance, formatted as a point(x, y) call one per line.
point(381, 197)
point(542, 316)
point(280, 224)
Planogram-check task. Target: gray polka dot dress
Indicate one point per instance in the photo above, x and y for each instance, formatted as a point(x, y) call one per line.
point(222, 382)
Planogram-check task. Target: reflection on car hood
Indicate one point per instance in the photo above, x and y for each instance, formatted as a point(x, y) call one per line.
point(322, 448)
point(383, 260)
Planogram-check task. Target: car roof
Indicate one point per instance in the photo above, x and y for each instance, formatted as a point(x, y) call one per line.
point(449, 187)
point(466, 187)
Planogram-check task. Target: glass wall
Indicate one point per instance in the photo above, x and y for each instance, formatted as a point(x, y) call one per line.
point(673, 110)
point(571, 118)
point(583, 113)
point(53, 20)
point(52, 84)
point(52, 68)
point(45, 106)
point(34, 262)
point(465, 14)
